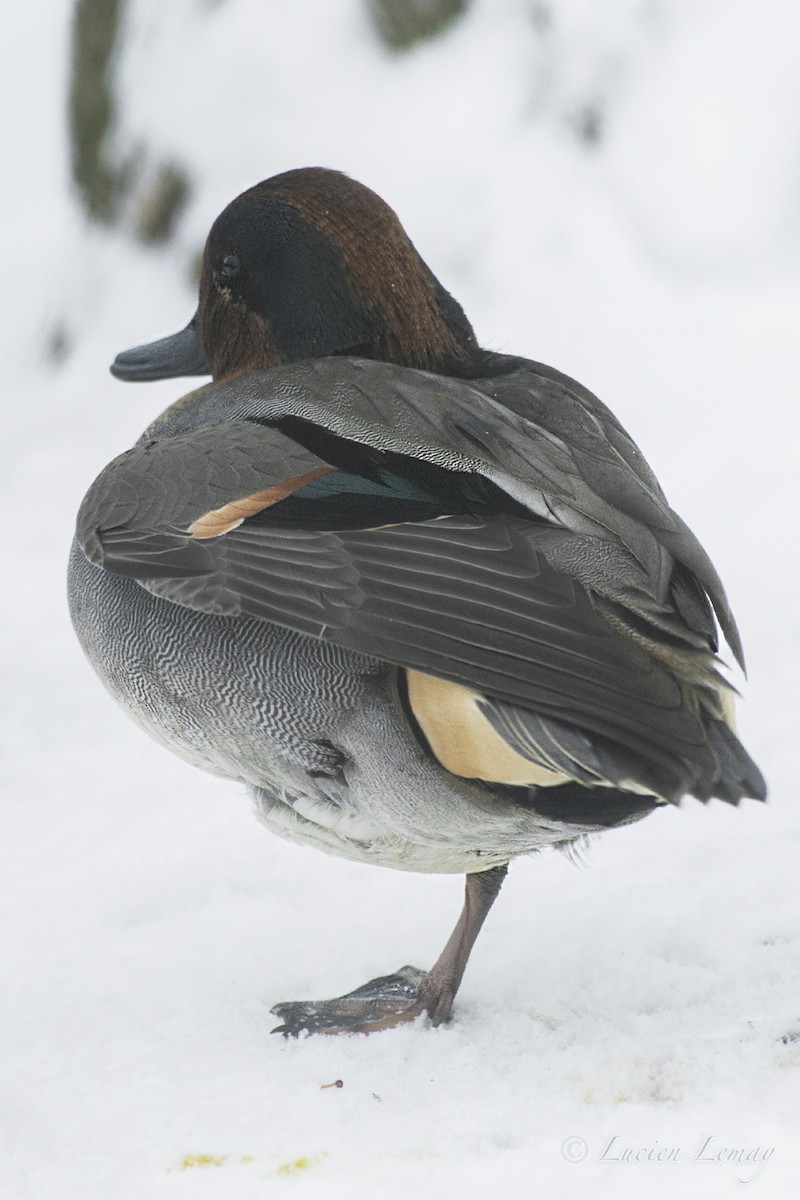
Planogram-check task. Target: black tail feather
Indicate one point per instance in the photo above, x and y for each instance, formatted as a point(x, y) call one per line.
point(739, 778)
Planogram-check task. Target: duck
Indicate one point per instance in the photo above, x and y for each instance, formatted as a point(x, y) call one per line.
point(427, 601)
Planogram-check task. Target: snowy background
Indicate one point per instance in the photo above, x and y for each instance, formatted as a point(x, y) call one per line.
point(613, 188)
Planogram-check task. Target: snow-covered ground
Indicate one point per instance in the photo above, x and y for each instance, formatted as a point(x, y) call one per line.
point(636, 1006)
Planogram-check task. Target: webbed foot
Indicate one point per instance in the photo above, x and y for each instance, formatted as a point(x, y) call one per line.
point(383, 1002)
point(394, 999)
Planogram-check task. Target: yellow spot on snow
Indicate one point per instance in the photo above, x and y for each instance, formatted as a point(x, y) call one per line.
point(203, 1160)
point(301, 1164)
point(294, 1167)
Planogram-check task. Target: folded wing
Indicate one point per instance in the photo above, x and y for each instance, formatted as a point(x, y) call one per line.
point(582, 628)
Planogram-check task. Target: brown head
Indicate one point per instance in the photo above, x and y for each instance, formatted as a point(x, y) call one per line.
point(308, 264)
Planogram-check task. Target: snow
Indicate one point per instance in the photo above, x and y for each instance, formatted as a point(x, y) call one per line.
point(641, 1003)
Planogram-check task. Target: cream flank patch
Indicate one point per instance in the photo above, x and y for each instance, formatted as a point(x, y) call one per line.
point(464, 741)
point(727, 699)
point(223, 520)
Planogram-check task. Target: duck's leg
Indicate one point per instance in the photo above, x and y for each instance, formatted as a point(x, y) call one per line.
point(393, 999)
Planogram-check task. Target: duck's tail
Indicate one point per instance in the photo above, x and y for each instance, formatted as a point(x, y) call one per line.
point(737, 777)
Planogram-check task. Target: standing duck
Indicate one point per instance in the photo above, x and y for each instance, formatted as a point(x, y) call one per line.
point(427, 601)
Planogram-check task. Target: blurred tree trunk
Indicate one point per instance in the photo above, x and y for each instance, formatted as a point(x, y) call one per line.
point(402, 23)
point(92, 108)
point(113, 189)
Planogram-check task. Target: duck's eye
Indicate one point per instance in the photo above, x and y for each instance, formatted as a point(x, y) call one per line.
point(230, 266)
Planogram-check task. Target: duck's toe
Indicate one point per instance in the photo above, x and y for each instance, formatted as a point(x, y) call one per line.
point(383, 1002)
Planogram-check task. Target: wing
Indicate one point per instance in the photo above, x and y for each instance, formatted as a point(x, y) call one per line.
point(538, 436)
point(542, 622)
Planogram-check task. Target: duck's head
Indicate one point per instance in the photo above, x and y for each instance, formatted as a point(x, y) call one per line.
point(307, 264)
